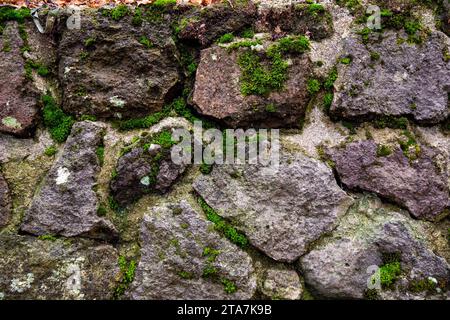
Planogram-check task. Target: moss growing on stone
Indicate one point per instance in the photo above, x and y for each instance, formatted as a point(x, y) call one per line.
point(51, 151)
point(313, 86)
point(409, 146)
point(102, 211)
point(226, 38)
point(423, 285)
point(137, 17)
point(391, 270)
point(222, 226)
point(206, 168)
point(146, 42)
point(31, 65)
point(390, 122)
point(127, 272)
point(383, 151)
point(247, 33)
point(58, 123)
point(229, 286)
point(12, 14)
point(119, 12)
point(258, 79)
point(243, 44)
point(47, 237)
point(327, 101)
point(100, 154)
point(185, 275)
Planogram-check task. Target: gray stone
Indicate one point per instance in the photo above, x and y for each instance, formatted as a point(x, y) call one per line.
point(281, 284)
point(217, 92)
point(282, 211)
point(418, 185)
point(66, 203)
point(178, 248)
point(18, 96)
point(407, 80)
point(56, 269)
point(113, 74)
point(338, 267)
point(5, 202)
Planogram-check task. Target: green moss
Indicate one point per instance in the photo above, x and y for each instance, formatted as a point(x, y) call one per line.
point(51, 151)
point(229, 286)
point(271, 108)
point(127, 273)
point(409, 146)
point(102, 211)
point(389, 273)
point(290, 44)
point(83, 55)
point(315, 8)
point(371, 294)
point(164, 139)
point(313, 86)
point(390, 122)
point(374, 56)
point(422, 285)
point(186, 275)
point(446, 55)
point(327, 101)
point(12, 14)
point(206, 168)
point(89, 42)
point(247, 33)
point(364, 33)
point(119, 12)
point(383, 151)
point(113, 205)
point(58, 123)
point(33, 65)
point(88, 117)
point(146, 42)
point(331, 78)
point(6, 46)
point(100, 154)
point(209, 271)
point(346, 60)
point(210, 253)
point(259, 80)
point(47, 237)
point(137, 17)
point(222, 226)
point(226, 38)
point(164, 3)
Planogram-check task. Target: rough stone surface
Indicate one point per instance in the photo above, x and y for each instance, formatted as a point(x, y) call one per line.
point(419, 185)
point(295, 19)
point(18, 107)
point(116, 75)
point(135, 173)
point(174, 260)
point(217, 92)
point(281, 284)
point(5, 202)
point(281, 211)
point(55, 269)
point(66, 203)
point(408, 80)
point(205, 25)
point(337, 267)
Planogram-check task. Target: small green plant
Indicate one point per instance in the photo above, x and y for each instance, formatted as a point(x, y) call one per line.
point(346, 60)
point(389, 273)
point(328, 101)
point(409, 146)
point(390, 122)
point(365, 33)
point(421, 285)
point(331, 78)
point(226, 38)
point(88, 117)
point(6, 46)
point(137, 17)
point(58, 123)
point(51, 151)
point(102, 211)
point(119, 12)
point(229, 286)
point(185, 275)
point(313, 86)
point(383, 151)
point(100, 154)
point(206, 168)
point(247, 33)
point(113, 205)
point(127, 272)
point(164, 3)
point(89, 42)
point(374, 56)
point(146, 42)
point(209, 271)
point(243, 44)
point(271, 108)
point(222, 226)
point(315, 8)
point(12, 14)
point(47, 237)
